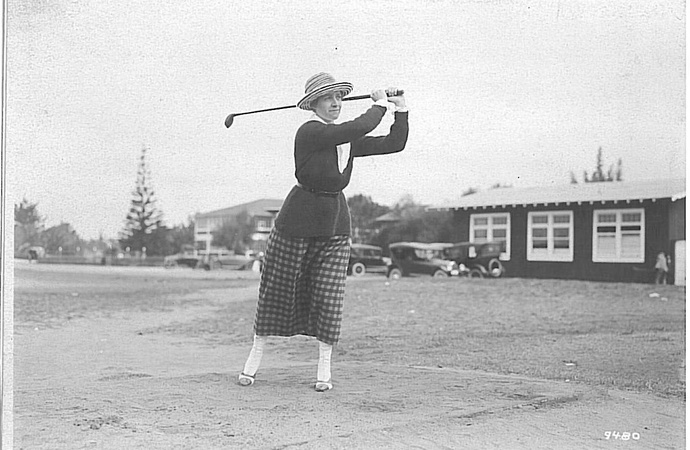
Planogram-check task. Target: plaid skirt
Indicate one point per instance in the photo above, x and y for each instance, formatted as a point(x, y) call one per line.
point(302, 287)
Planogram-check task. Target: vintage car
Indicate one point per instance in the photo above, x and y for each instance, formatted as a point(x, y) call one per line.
point(184, 258)
point(217, 259)
point(481, 259)
point(366, 259)
point(232, 260)
point(420, 258)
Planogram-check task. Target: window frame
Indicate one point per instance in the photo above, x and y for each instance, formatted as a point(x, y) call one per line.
point(505, 256)
point(550, 254)
point(619, 233)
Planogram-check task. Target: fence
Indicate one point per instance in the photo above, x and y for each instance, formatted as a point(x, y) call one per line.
point(98, 260)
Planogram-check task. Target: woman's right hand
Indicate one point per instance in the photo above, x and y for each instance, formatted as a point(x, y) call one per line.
point(378, 94)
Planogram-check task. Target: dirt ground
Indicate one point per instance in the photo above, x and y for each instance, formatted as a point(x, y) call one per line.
point(151, 368)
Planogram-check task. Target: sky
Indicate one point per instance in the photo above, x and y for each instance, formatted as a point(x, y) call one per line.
point(516, 92)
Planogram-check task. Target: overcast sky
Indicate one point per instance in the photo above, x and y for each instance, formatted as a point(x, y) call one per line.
point(511, 92)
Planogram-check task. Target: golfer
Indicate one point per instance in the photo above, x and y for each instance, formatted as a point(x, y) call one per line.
point(303, 277)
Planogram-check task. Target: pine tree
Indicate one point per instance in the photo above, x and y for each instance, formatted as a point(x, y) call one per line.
point(598, 174)
point(615, 173)
point(144, 229)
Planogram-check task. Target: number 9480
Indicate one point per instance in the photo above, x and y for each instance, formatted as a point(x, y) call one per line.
point(625, 436)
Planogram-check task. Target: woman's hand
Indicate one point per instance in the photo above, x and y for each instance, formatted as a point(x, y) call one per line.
point(378, 94)
point(398, 100)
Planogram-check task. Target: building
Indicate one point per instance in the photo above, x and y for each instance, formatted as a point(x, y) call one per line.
point(607, 231)
point(261, 213)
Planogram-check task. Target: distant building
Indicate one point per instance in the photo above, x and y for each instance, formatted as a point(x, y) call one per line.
point(261, 213)
point(605, 231)
point(390, 218)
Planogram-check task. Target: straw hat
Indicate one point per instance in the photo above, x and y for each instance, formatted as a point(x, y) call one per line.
point(320, 84)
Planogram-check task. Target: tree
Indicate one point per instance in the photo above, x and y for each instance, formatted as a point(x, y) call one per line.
point(235, 233)
point(61, 239)
point(28, 225)
point(598, 175)
point(364, 212)
point(418, 224)
point(182, 235)
point(144, 228)
point(619, 170)
point(469, 191)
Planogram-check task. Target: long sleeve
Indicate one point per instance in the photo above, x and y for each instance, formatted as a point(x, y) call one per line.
point(307, 214)
point(394, 142)
point(321, 136)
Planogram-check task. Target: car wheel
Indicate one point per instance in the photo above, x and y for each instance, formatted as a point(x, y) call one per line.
point(476, 273)
point(358, 269)
point(440, 274)
point(170, 264)
point(215, 265)
point(395, 274)
point(495, 268)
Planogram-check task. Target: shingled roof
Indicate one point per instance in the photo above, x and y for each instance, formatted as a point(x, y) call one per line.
point(570, 193)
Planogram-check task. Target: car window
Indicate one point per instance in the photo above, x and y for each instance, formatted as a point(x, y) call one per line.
point(426, 255)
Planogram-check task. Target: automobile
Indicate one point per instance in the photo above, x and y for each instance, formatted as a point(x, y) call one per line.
point(366, 258)
point(409, 258)
point(481, 259)
point(216, 259)
point(184, 258)
point(224, 259)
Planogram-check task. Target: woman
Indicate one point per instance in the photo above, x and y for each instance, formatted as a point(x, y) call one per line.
point(303, 278)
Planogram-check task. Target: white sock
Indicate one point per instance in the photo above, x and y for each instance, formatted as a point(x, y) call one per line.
point(324, 370)
point(254, 360)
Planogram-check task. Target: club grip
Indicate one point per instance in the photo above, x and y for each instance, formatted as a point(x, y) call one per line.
point(364, 97)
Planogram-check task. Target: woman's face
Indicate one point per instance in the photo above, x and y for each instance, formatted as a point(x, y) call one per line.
point(328, 106)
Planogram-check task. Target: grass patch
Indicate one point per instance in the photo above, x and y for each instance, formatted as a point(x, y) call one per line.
point(602, 334)
point(605, 334)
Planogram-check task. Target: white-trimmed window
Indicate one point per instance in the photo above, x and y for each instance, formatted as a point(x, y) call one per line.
point(618, 235)
point(492, 227)
point(263, 224)
point(550, 236)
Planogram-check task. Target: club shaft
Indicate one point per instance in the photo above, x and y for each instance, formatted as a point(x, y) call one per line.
point(356, 97)
point(264, 110)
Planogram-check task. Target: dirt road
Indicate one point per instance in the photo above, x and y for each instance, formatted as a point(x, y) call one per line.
point(110, 381)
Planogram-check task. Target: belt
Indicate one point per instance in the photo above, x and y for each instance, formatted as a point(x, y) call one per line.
point(318, 192)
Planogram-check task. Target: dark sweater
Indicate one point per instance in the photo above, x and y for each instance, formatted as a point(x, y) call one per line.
point(306, 214)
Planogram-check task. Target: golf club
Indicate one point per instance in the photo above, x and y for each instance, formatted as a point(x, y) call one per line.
point(231, 117)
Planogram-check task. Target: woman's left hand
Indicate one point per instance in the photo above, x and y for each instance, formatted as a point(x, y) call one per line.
point(398, 100)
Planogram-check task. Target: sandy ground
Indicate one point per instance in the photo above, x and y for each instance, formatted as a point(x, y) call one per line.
point(106, 382)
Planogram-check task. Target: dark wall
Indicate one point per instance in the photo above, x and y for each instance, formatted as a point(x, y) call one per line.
point(676, 223)
point(582, 267)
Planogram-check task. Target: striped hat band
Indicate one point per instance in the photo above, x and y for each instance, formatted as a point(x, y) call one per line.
point(321, 84)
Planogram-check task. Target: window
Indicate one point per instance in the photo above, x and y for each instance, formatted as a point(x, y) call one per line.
point(618, 236)
point(263, 224)
point(207, 224)
point(550, 236)
point(493, 227)
point(202, 224)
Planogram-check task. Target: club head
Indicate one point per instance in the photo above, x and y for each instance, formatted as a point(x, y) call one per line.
point(228, 120)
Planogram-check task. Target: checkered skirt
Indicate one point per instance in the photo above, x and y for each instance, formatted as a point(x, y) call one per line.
point(302, 287)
